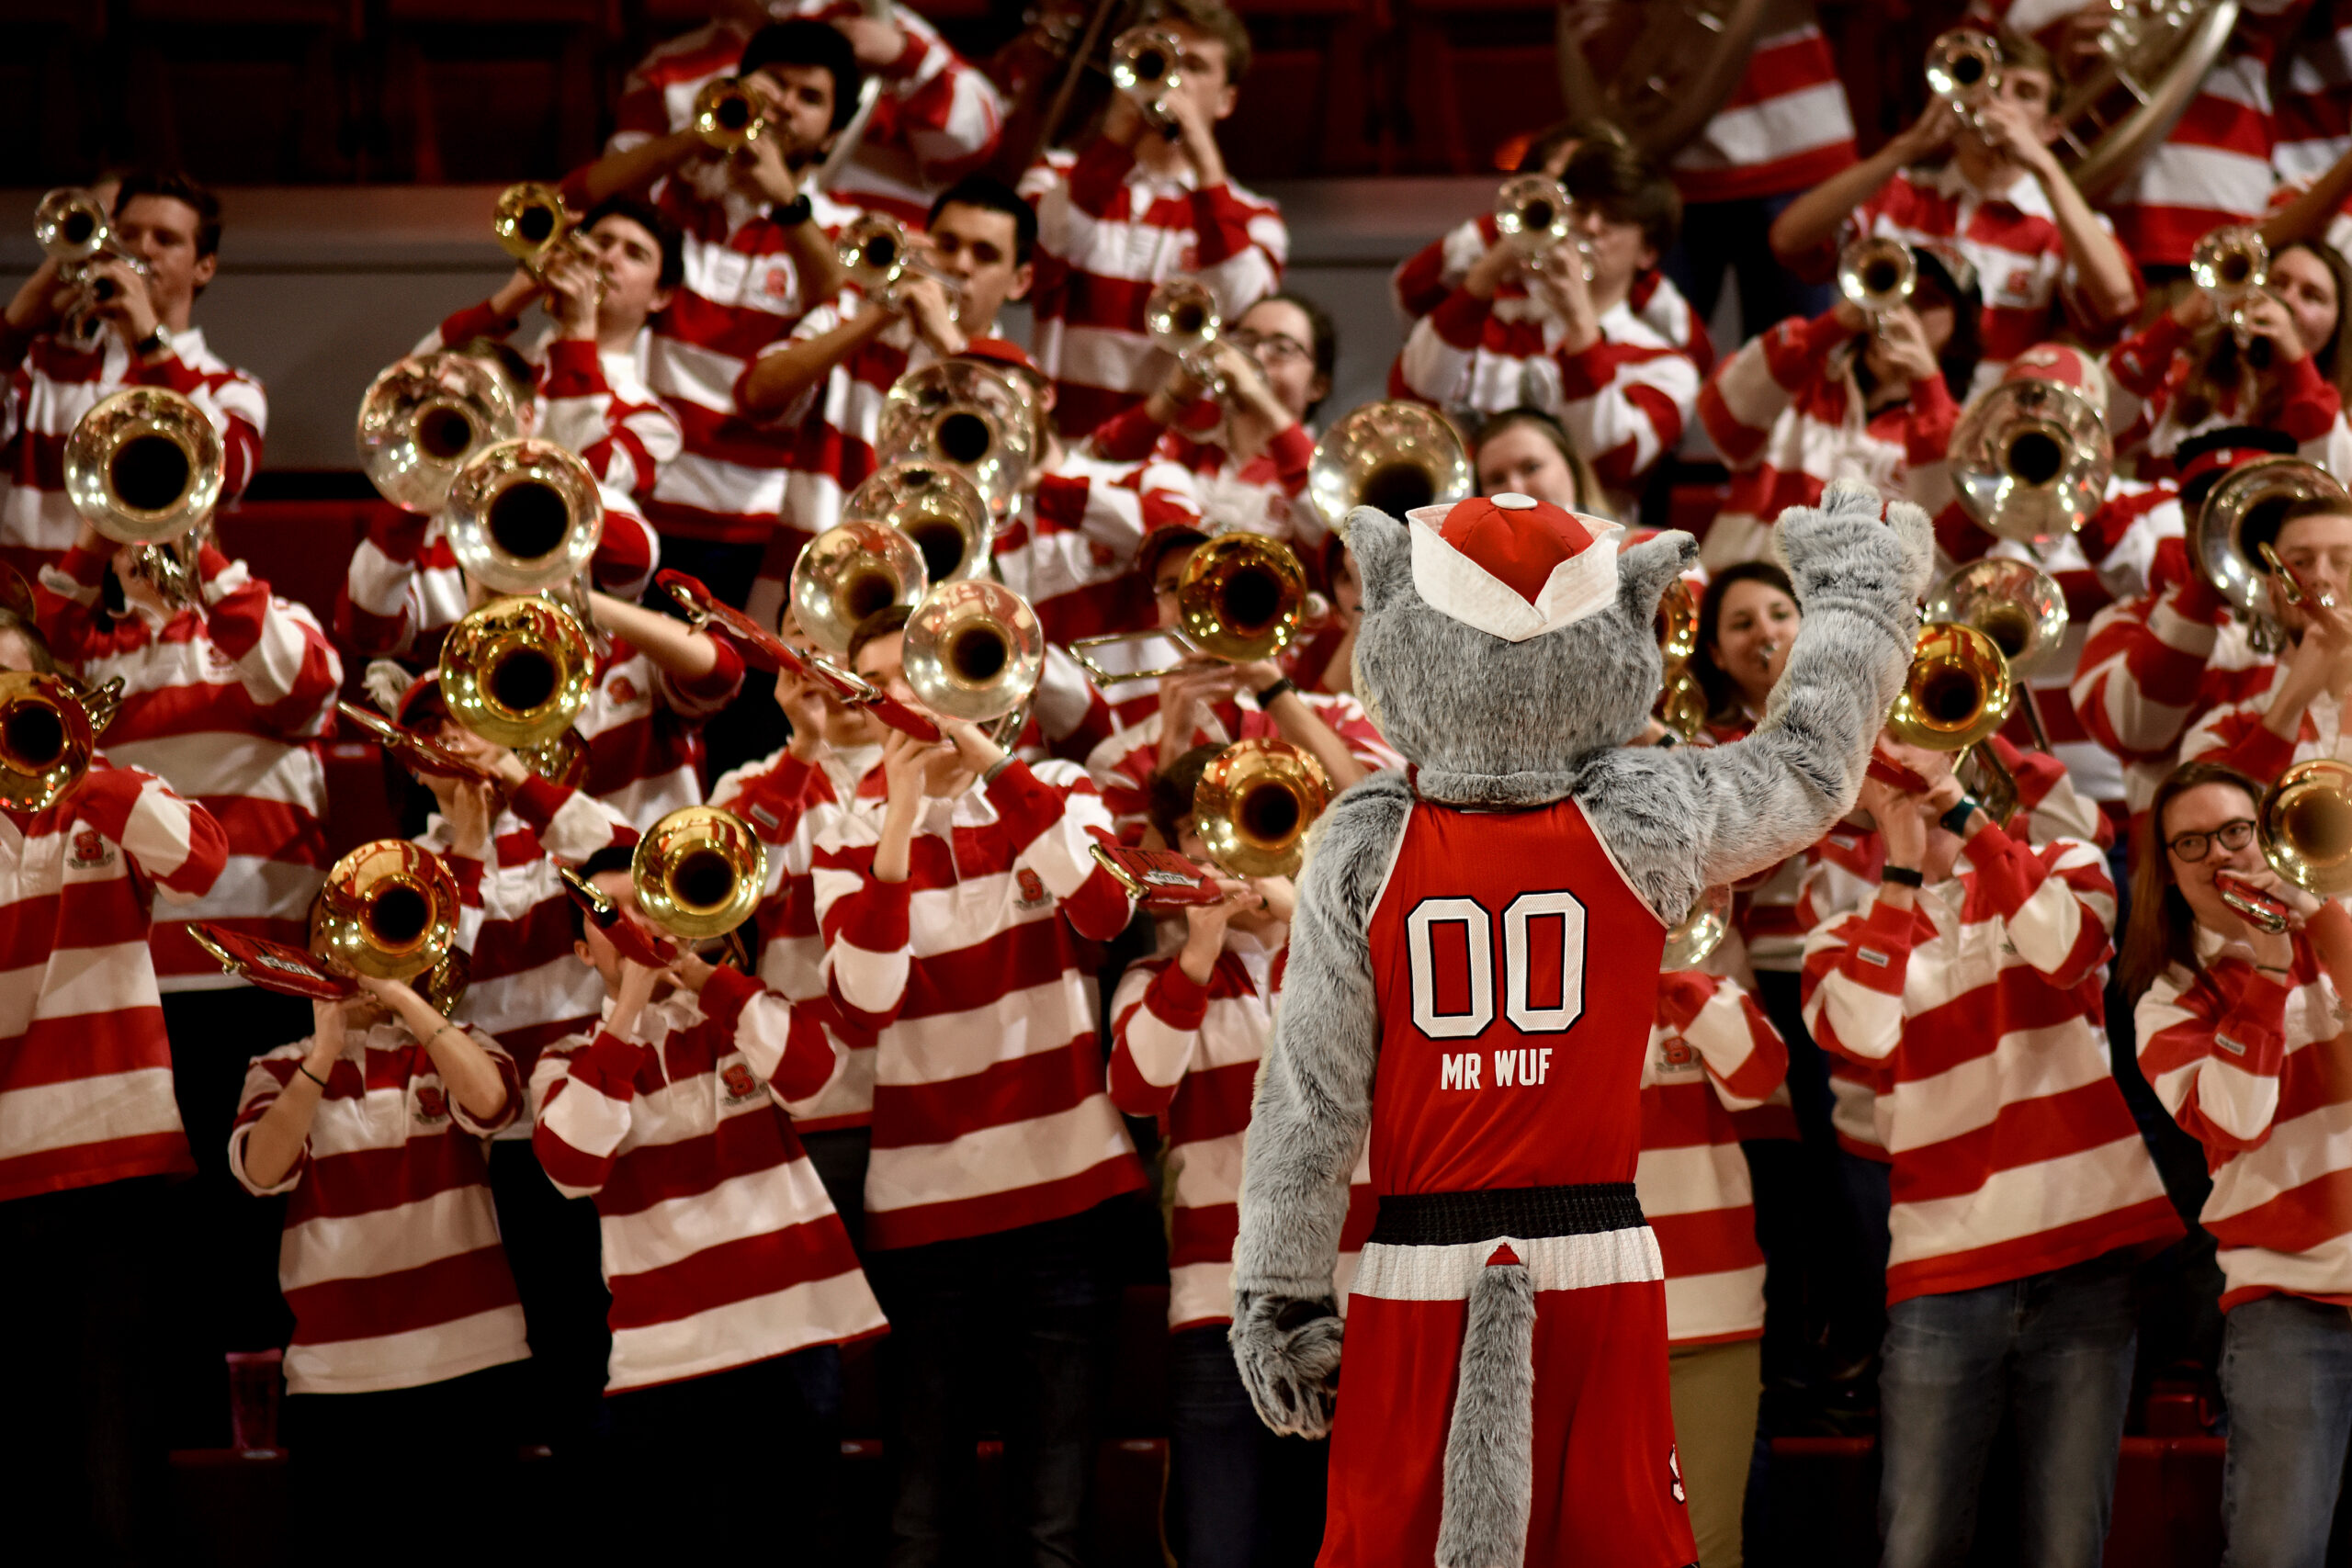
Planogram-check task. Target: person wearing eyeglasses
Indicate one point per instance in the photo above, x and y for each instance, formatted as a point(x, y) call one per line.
point(2242, 1034)
point(1247, 451)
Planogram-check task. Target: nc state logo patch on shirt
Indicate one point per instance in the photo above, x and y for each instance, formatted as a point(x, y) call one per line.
point(739, 1083)
point(622, 690)
point(1033, 891)
point(432, 1105)
point(778, 282)
point(1677, 1057)
point(89, 851)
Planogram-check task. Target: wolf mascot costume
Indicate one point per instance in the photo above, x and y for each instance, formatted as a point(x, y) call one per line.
point(1472, 974)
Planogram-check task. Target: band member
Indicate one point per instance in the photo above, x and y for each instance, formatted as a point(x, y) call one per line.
point(2287, 709)
point(1711, 1053)
point(2241, 1032)
point(173, 226)
point(1524, 449)
point(1189, 1028)
point(1841, 393)
point(406, 1322)
point(1135, 208)
point(2010, 1287)
point(1249, 453)
point(2001, 199)
point(733, 1282)
point(935, 119)
point(2277, 362)
point(954, 927)
point(758, 255)
point(1569, 345)
point(88, 1128)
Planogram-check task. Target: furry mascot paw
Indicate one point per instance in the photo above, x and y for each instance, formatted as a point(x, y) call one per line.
point(1288, 1352)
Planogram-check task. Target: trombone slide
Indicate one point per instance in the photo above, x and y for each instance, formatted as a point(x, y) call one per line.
point(2262, 910)
point(628, 936)
point(772, 652)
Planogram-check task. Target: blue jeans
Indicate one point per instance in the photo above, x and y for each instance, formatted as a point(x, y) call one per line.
point(2054, 1352)
point(1007, 1333)
point(2287, 1373)
point(1238, 1496)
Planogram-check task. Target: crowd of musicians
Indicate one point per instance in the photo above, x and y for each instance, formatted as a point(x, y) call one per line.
point(590, 1119)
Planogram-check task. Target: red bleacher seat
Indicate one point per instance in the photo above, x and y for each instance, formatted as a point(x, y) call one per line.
point(488, 89)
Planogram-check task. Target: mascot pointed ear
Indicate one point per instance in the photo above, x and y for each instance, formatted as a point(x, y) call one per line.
point(1383, 548)
point(1644, 572)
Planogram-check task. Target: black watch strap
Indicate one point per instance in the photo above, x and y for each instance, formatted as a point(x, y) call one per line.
point(1273, 694)
point(157, 344)
point(794, 213)
point(1902, 876)
point(1955, 821)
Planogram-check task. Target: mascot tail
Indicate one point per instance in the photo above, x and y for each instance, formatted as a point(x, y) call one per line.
point(1490, 1446)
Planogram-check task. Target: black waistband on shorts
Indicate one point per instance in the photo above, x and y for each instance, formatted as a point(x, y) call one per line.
point(1455, 1219)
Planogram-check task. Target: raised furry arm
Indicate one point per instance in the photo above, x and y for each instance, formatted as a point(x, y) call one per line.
point(1312, 1109)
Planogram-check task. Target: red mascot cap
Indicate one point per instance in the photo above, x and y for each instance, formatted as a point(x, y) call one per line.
point(1512, 565)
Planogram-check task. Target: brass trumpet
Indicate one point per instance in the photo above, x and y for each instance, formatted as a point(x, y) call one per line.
point(2231, 262)
point(1694, 938)
point(965, 416)
point(388, 910)
point(1181, 319)
point(49, 728)
point(523, 516)
point(974, 650)
point(936, 508)
point(1241, 599)
point(1254, 804)
point(1877, 275)
point(145, 466)
point(534, 226)
point(74, 230)
point(726, 116)
point(1682, 701)
point(1534, 213)
point(1147, 66)
point(2240, 516)
point(422, 418)
point(879, 255)
point(849, 571)
point(1964, 70)
point(700, 871)
point(1956, 694)
point(2304, 825)
point(2031, 460)
point(517, 671)
point(1392, 456)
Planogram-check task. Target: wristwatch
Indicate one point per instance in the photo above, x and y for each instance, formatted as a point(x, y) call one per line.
point(794, 213)
point(155, 345)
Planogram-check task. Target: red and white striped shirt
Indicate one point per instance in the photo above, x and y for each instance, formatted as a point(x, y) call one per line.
point(838, 420)
point(1712, 1052)
point(1788, 416)
point(1109, 232)
point(2014, 1153)
point(85, 1071)
point(720, 1246)
point(1423, 279)
point(1188, 1056)
point(1260, 496)
point(391, 1262)
point(1122, 766)
point(1623, 401)
point(1785, 128)
point(1069, 548)
point(2146, 375)
point(2213, 166)
point(2313, 89)
point(2240, 1059)
point(53, 386)
point(2232, 732)
point(936, 120)
point(225, 702)
point(990, 1110)
point(2028, 281)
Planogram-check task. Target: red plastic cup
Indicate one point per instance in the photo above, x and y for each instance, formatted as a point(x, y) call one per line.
point(255, 1379)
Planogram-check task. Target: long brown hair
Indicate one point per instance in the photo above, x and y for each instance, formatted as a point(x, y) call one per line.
point(1725, 701)
point(2215, 357)
point(2162, 932)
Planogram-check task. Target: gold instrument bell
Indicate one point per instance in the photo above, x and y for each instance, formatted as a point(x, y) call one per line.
point(2230, 262)
point(878, 253)
point(700, 871)
point(848, 572)
point(424, 417)
point(1956, 693)
point(48, 731)
point(1254, 804)
point(2241, 514)
point(388, 910)
point(2022, 609)
point(726, 114)
point(532, 223)
point(1147, 66)
point(1694, 938)
point(1181, 319)
point(933, 505)
point(1392, 456)
point(2304, 825)
point(2031, 460)
point(973, 650)
point(71, 225)
point(523, 516)
point(1964, 69)
point(144, 466)
point(1877, 275)
point(1682, 701)
point(517, 671)
point(1240, 598)
point(967, 416)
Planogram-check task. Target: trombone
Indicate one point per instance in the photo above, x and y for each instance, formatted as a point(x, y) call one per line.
point(1254, 804)
point(523, 516)
point(2241, 517)
point(2031, 460)
point(2021, 608)
point(700, 871)
point(705, 612)
point(1877, 275)
point(424, 417)
point(878, 254)
point(1241, 599)
point(1682, 701)
point(1392, 456)
point(869, 93)
point(145, 466)
point(936, 508)
point(726, 114)
point(974, 652)
point(49, 729)
point(848, 572)
point(1956, 694)
point(1181, 320)
point(1964, 70)
point(1147, 67)
point(388, 910)
point(2304, 826)
point(965, 416)
point(517, 671)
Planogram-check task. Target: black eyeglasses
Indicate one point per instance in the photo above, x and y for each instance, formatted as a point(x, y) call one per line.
point(2232, 836)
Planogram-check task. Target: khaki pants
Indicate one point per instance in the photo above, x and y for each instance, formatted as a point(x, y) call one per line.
point(1714, 1389)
